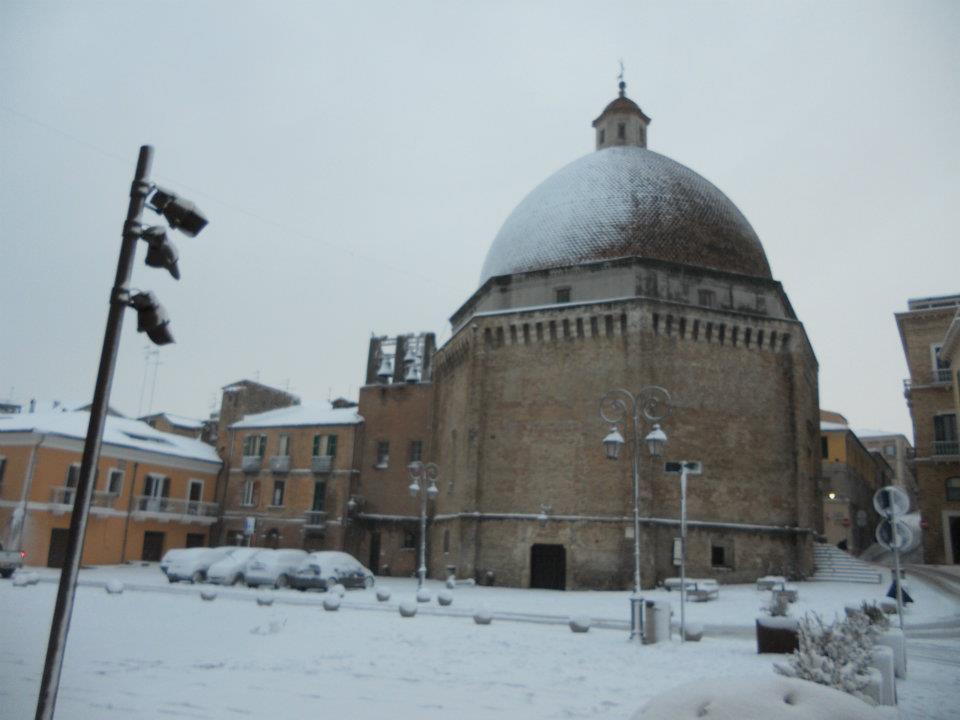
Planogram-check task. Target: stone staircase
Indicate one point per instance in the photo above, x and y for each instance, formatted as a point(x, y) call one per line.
point(833, 564)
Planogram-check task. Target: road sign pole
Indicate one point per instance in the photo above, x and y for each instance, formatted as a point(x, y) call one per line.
point(896, 566)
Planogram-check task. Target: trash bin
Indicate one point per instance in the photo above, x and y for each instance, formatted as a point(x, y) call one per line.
point(656, 626)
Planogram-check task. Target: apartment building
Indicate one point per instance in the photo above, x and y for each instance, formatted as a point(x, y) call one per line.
point(929, 332)
point(289, 476)
point(153, 490)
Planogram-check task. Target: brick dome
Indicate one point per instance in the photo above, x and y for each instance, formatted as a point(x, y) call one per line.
point(625, 201)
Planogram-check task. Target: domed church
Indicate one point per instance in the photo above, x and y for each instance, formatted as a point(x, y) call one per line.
point(624, 269)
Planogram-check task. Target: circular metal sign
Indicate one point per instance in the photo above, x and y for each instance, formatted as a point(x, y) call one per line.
point(891, 500)
point(885, 535)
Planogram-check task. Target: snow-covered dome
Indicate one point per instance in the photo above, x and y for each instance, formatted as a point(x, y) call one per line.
point(625, 201)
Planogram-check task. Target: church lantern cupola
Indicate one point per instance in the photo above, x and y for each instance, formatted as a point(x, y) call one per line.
point(622, 122)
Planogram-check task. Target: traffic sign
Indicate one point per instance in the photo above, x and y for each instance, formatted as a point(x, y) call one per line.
point(891, 500)
point(885, 535)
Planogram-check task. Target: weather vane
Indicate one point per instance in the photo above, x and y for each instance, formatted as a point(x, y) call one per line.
point(623, 85)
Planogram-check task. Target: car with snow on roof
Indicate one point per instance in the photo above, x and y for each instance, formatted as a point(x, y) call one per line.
point(231, 569)
point(192, 565)
point(273, 567)
point(326, 568)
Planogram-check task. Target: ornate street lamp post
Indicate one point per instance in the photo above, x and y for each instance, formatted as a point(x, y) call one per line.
point(622, 406)
point(420, 475)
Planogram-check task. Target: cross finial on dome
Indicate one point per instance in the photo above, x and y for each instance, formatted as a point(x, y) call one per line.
point(623, 85)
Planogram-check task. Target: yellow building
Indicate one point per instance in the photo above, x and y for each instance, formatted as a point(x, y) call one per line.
point(153, 490)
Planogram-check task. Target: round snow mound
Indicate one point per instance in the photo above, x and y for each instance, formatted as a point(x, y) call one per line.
point(451, 582)
point(331, 603)
point(423, 595)
point(408, 609)
point(383, 594)
point(756, 697)
point(694, 632)
point(208, 595)
point(483, 617)
point(445, 598)
point(339, 590)
point(265, 601)
point(580, 623)
point(21, 580)
point(114, 587)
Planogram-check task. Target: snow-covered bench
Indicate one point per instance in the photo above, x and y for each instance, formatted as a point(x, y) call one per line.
point(771, 582)
point(697, 589)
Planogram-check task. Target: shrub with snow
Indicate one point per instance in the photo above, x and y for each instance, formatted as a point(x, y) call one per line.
point(837, 655)
point(22, 579)
point(423, 595)
point(383, 594)
point(580, 624)
point(777, 606)
point(338, 589)
point(445, 598)
point(114, 587)
point(331, 602)
point(408, 609)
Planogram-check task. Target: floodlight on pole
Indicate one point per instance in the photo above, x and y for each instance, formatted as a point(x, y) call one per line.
point(182, 214)
point(161, 253)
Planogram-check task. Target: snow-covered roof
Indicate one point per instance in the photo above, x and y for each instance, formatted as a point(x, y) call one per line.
point(183, 421)
point(122, 432)
point(832, 426)
point(297, 415)
point(868, 433)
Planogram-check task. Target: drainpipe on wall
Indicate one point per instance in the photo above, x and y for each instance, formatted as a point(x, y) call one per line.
point(126, 521)
point(25, 493)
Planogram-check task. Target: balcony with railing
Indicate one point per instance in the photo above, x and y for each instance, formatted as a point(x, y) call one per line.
point(165, 506)
point(251, 463)
point(315, 520)
point(940, 376)
point(946, 448)
point(64, 496)
point(321, 464)
point(280, 464)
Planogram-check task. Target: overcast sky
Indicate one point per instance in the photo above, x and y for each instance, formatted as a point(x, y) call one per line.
point(356, 160)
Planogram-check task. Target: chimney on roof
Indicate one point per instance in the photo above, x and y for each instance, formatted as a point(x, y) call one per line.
point(33, 404)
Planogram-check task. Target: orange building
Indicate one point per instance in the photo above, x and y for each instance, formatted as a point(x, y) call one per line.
point(153, 490)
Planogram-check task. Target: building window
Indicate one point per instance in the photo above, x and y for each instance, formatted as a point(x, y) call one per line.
point(3, 469)
point(945, 435)
point(603, 135)
point(718, 556)
point(941, 367)
point(284, 450)
point(248, 492)
point(255, 445)
point(114, 481)
point(409, 539)
point(73, 475)
point(383, 454)
point(953, 489)
point(707, 298)
point(324, 445)
point(416, 450)
point(278, 488)
point(890, 450)
point(446, 540)
point(621, 131)
point(563, 295)
point(331, 445)
point(317, 440)
point(824, 447)
point(194, 496)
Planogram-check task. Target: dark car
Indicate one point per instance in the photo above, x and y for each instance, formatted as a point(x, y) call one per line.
point(322, 570)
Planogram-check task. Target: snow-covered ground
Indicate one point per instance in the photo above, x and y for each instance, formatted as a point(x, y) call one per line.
point(158, 650)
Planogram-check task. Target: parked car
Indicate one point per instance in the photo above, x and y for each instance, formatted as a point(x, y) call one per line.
point(273, 567)
point(326, 568)
point(192, 565)
point(10, 560)
point(170, 555)
point(231, 569)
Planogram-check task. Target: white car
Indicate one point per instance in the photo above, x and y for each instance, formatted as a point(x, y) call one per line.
point(273, 567)
point(192, 565)
point(231, 569)
point(170, 555)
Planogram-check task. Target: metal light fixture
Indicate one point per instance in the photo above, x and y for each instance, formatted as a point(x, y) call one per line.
point(655, 441)
point(414, 489)
point(182, 214)
point(161, 253)
point(613, 442)
point(152, 318)
point(423, 484)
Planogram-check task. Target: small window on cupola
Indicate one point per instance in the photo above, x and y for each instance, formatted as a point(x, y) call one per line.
point(621, 131)
point(603, 135)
